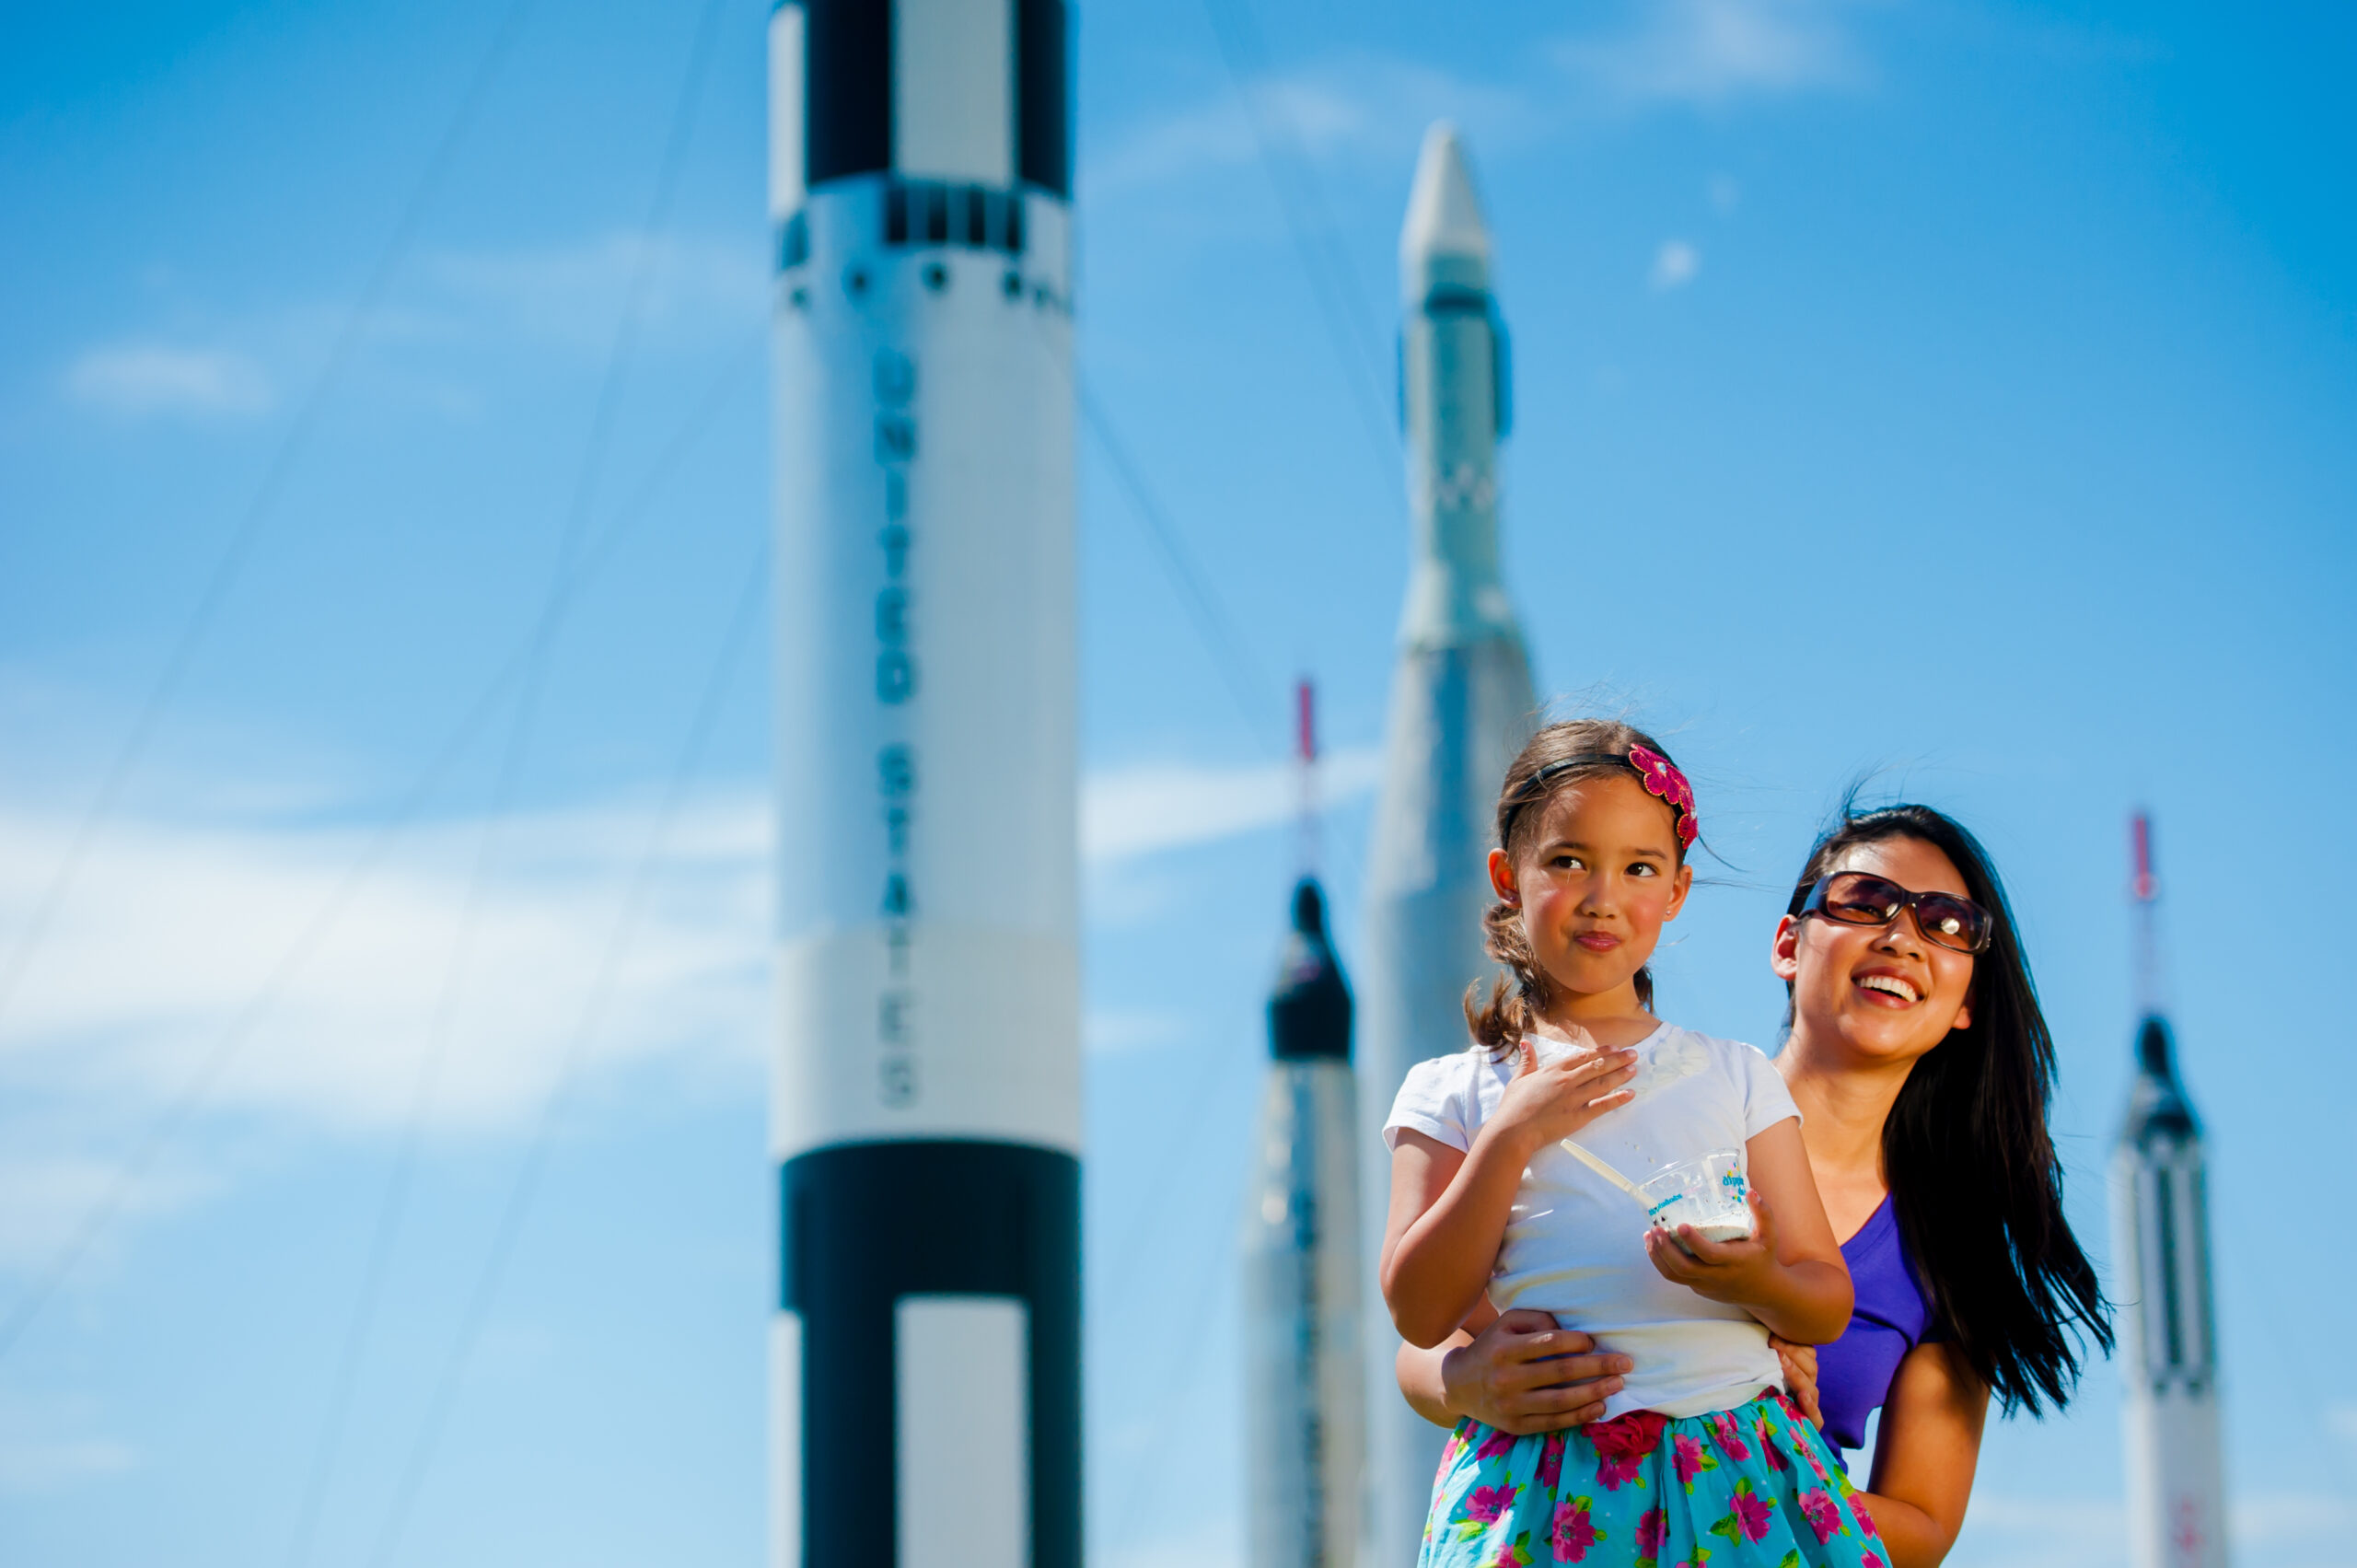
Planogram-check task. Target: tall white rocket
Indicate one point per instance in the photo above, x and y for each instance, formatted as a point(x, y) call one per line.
point(926, 1120)
point(1461, 706)
point(1305, 1379)
point(2176, 1491)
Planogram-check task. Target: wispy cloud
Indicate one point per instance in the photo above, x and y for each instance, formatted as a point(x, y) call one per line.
point(51, 1444)
point(1152, 808)
point(141, 378)
point(1711, 52)
point(174, 930)
point(1675, 265)
point(1360, 106)
point(573, 293)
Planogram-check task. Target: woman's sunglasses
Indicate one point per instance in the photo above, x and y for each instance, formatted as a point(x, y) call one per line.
point(1860, 898)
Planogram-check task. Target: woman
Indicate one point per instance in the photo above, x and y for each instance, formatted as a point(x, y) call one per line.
point(1921, 1066)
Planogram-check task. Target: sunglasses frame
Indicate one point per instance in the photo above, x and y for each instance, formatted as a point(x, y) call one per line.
point(1908, 899)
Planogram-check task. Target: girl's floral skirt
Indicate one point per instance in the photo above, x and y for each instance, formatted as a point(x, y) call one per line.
point(1752, 1485)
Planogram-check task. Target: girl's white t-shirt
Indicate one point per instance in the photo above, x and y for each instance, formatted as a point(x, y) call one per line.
point(1575, 1244)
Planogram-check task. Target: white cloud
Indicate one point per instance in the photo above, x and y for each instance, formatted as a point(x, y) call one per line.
point(1711, 52)
point(1113, 1032)
point(49, 1444)
point(1363, 106)
point(573, 294)
point(1675, 265)
point(139, 378)
point(1152, 808)
point(173, 929)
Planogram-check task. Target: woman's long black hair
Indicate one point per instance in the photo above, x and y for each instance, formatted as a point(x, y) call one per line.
point(1972, 1171)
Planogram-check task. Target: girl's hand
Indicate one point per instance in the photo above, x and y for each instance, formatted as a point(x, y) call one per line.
point(1800, 1376)
point(1522, 1373)
point(1549, 1101)
point(1732, 1272)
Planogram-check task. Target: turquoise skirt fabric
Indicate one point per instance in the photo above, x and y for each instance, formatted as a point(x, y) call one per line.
point(1753, 1485)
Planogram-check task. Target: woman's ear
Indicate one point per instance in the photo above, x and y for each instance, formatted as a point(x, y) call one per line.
point(1784, 951)
point(1964, 1014)
point(1502, 880)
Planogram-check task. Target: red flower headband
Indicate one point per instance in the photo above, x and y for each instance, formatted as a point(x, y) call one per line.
point(1659, 774)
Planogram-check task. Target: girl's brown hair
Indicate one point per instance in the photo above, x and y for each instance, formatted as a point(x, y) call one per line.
point(1568, 752)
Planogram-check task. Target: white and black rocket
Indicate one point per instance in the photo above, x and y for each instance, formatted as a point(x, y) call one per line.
point(1461, 706)
point(926, 1120)
point(2176, 1491)
point(1305, 1378)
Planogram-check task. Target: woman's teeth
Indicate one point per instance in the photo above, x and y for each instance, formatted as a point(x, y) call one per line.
point(1893, 984)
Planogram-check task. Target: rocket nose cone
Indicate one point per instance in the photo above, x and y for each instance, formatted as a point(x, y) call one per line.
point(1444, 221)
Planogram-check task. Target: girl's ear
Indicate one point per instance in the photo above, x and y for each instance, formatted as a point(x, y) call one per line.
point(1964, 1014)
point(1502, 880)
point(1784, 951)
point(1685, 881)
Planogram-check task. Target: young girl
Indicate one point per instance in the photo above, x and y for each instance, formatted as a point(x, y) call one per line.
point(1699, 1458)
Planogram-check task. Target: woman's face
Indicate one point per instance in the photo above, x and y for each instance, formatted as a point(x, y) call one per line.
point(1882, 990)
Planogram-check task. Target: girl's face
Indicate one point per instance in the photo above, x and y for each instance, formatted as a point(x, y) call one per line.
point(1595, 881)
point(1882, 990)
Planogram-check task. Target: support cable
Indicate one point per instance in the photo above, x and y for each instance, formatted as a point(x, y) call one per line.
point(231, 565)
point(1333, 282)
point(325, 1452)
point(198, 1087)
point(558, 1098)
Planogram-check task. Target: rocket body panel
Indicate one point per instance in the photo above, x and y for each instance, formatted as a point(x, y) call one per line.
point(1306, 1434)
point(926, 1110)
point(2168, 1338)
point(1461, 706)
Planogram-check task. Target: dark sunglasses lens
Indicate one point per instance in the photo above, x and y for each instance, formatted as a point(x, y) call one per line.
point(1952, 922)
point(1862, 900)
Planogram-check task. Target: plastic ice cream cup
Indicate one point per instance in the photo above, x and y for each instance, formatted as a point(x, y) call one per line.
point(1707, 1193)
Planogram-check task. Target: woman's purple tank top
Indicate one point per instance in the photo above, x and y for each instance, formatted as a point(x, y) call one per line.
point(1890, 1319)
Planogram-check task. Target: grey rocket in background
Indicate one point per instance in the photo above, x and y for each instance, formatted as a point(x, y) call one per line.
point(2168, 1349)
point(1461, 706)
point(1305, 1378)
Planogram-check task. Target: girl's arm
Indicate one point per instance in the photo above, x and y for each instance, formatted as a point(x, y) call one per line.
point(1449, 1207)
point(1789, 1272)
point(1924, 1455)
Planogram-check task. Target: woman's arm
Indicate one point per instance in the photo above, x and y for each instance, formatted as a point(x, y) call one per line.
point(1519, 1373)
point(1449, 1207)
point(1789, 1272)
point(1924, 1455)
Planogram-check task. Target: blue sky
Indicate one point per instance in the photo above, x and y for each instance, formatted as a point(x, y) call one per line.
point(1955, 393)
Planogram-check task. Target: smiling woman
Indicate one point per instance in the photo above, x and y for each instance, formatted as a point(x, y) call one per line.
point(1921, 1065)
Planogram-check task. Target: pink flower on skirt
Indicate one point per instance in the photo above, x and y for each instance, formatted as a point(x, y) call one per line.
point(1824, 1515)
point(1752, 1513)
point(1614, 1471)
point(1496, 1443)
point(1630, 1436)
point(1511, 1554)
point(1551, 1461)
point(1652, 1532)
point(1575, 1531)
point(1730, 1435)
point(1688, 1458)
point(1870, 1561)
point(1865, 1520)
point(1489, 1504)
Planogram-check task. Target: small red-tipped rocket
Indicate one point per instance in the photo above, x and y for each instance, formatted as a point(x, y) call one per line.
point(1305, 1378)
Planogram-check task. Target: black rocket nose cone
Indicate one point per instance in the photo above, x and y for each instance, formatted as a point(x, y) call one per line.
point(1309, 1012)
point(2158, 1108)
